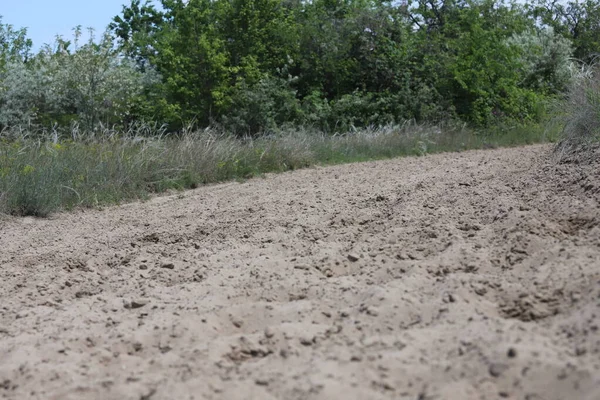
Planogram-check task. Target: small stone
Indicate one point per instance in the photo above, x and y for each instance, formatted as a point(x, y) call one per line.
point(372, 311)
point(356, 358)
point(302, 267)
point(167, 265)
point(237, 322)
point(143, 266)
point(297, 296)
point(269, 333)
point(512, 353)
point(497, 369)
point(580, 351)
point(353, 257)
point(479, 289)
point(448, 298)
point(306, 341)
point(136, 303)
point(262, 382)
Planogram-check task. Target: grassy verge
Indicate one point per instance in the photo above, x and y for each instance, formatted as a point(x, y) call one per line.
point(38, 177)
point(580, 113)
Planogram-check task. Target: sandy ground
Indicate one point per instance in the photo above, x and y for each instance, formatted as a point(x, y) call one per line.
point(457, 276)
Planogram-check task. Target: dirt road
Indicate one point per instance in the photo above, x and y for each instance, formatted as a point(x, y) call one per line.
point(456, 276)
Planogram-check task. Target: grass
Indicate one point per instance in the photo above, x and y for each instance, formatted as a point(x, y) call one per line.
point(580, 112)
point(41, 176)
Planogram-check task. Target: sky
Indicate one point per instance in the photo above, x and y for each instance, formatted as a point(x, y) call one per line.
point(44, 19)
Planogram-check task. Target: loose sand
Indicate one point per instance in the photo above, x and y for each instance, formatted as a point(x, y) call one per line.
point(456, 276)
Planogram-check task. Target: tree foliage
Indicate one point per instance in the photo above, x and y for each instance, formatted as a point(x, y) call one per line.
point(255, 65)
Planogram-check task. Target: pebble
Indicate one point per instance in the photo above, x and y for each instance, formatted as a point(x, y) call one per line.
point(269, 333)
point(167, 265)
point(497, 369)
point(297, 296)
point(449, 298)
point(353, 257)
point(262, 382)
point(306, 341)
point(237, 322)
point(136, 303)
point(372, 311)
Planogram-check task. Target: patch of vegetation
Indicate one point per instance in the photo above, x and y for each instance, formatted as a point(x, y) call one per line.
point(580, 111)
point(41, 176)
point(255, 67)
point(201, 91)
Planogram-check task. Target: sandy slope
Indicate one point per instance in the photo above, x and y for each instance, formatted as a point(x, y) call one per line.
point(455, 276)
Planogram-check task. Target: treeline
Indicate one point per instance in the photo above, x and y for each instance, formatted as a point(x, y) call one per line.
point(253, 66)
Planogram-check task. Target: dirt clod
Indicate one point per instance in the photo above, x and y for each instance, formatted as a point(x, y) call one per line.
point(269, 332)
point(136, 303)
point(353, 257)
point(497, 369)
point(167, 265)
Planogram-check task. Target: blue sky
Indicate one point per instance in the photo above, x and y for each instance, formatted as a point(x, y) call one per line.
point(44, 19)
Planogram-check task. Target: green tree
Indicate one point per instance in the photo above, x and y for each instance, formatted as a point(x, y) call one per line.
point(14, 44)
point(577, 20)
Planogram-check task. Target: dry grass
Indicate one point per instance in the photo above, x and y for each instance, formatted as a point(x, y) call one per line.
point(40, 174)
point(581, 113)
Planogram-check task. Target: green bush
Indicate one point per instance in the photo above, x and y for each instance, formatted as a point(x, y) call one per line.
point(545, 60)
point(90, 85)
point(262, 108)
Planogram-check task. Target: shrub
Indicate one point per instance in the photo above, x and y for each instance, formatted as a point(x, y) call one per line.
point(91, 85)
point(545, 59)
point(263, 107)
point(581, 109)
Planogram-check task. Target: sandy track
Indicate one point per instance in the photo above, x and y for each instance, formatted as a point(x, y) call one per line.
point(454, 276)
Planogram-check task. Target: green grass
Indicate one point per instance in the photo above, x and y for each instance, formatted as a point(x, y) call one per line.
point(41, 176)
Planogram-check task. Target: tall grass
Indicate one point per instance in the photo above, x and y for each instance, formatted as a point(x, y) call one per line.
point(580, 111)
point(40, 175)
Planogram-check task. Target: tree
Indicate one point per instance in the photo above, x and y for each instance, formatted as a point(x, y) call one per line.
point(577, 20)
point(14, 44)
